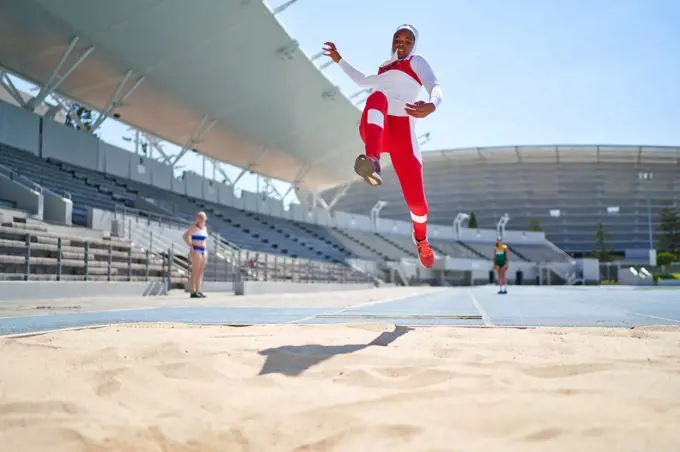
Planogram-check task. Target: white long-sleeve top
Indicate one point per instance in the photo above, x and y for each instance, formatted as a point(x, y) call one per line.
point(398, 84)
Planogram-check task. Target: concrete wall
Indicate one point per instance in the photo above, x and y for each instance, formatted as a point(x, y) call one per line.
point(67, 144)
point(19, 128)
point(47, 290)
point(56, 209)
point(23, 197)
point(263, 287)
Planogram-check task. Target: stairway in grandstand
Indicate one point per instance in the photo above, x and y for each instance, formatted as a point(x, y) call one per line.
point(513, 250)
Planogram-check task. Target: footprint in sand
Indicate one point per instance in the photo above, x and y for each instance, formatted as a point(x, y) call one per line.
point(566, 370)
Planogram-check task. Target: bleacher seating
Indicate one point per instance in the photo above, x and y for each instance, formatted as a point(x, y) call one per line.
point(81, 185)
point(319, 252)
point(538, 253)
point(32, 252)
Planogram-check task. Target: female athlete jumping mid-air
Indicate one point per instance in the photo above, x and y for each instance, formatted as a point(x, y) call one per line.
point(500, 265)
point(388, 123)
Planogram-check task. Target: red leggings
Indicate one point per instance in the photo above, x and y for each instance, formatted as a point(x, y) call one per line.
point(395, 135)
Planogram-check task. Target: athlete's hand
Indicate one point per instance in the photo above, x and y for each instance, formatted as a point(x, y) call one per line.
point(332, 51)
point(420, 109)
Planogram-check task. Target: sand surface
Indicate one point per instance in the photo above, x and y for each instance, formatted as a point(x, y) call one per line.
point(368, 387)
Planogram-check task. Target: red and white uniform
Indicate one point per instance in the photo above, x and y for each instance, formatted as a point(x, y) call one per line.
point(387, 128)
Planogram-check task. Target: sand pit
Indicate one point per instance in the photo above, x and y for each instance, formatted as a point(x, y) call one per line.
point(348, 388)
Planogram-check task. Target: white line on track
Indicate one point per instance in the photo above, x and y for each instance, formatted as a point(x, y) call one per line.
point(656, 317)
point(478, 306)
point(360, 305)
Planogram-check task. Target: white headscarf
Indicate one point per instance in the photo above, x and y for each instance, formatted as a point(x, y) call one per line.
point(395, 56)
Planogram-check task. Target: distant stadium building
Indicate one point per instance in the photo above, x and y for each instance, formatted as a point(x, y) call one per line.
point(567, 190)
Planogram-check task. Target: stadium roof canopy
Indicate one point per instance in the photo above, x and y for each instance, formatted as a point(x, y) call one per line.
point(219, 76)
point(557, 154)
point(438, 164)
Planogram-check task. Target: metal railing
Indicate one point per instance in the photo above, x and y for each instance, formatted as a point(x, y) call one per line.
point(227, 262)
point(89, 260)
point(92, 261)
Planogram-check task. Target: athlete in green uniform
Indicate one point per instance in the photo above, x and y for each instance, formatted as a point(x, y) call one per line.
point(500, 265)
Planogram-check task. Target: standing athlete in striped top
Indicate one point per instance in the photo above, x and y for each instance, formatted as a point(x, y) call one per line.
point(196, 237)
point(388, 123)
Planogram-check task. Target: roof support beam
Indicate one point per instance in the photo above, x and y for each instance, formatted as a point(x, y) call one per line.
point(326, 65)
point(197, 136)
point(156, 144)
point(318, 200)
point(298, 178)
point(54, 81)
point(218, 166)
point(269, 188)
point(67, 106)
point(251, 166)
point(481, 156)
point(7, 83)
point(339, 195)
point(114, 102)
point(283, 7)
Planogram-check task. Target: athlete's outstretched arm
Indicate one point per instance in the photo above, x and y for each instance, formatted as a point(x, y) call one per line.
point(358, 77)
point(426, 75)
point(355, 74)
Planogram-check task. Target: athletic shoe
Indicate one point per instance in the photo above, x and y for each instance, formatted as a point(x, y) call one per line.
point(425, 253)
point(369, 169)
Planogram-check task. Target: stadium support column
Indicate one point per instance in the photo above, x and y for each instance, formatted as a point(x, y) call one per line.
point(114, 102)
point(646, 177)
point(500, 227)
point(298, 178)
point(457, 222)
point(318, 200)
point(339, 195)
point(67, 107)
point(218, 167)
point(196, 137)
point(281, 8)
point(251, 166)
point(375, 213)
point(155, 144)
point(6, 82)
point(55, 80)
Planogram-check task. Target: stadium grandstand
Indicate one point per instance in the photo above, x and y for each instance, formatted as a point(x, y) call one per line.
point(563, 190)
point(74, 207)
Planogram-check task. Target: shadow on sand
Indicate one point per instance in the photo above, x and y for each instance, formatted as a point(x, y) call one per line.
point(293, 360)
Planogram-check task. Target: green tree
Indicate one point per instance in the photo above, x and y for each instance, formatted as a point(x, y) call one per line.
point(665, 259)
point(602, 251)
point(84, 114)
point(472, 221)
point(533, 225)
point(669, 229)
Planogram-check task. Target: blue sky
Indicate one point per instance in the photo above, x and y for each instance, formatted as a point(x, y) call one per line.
point(520, 71)
point(513, 71)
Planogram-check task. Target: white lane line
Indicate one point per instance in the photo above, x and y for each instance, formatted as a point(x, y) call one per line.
point(478, 306)
point(656, 317)
point(360, 305)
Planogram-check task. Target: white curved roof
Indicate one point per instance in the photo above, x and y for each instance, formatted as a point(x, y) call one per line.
point(435, 163)
point(202, 61)
point(557, 154)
